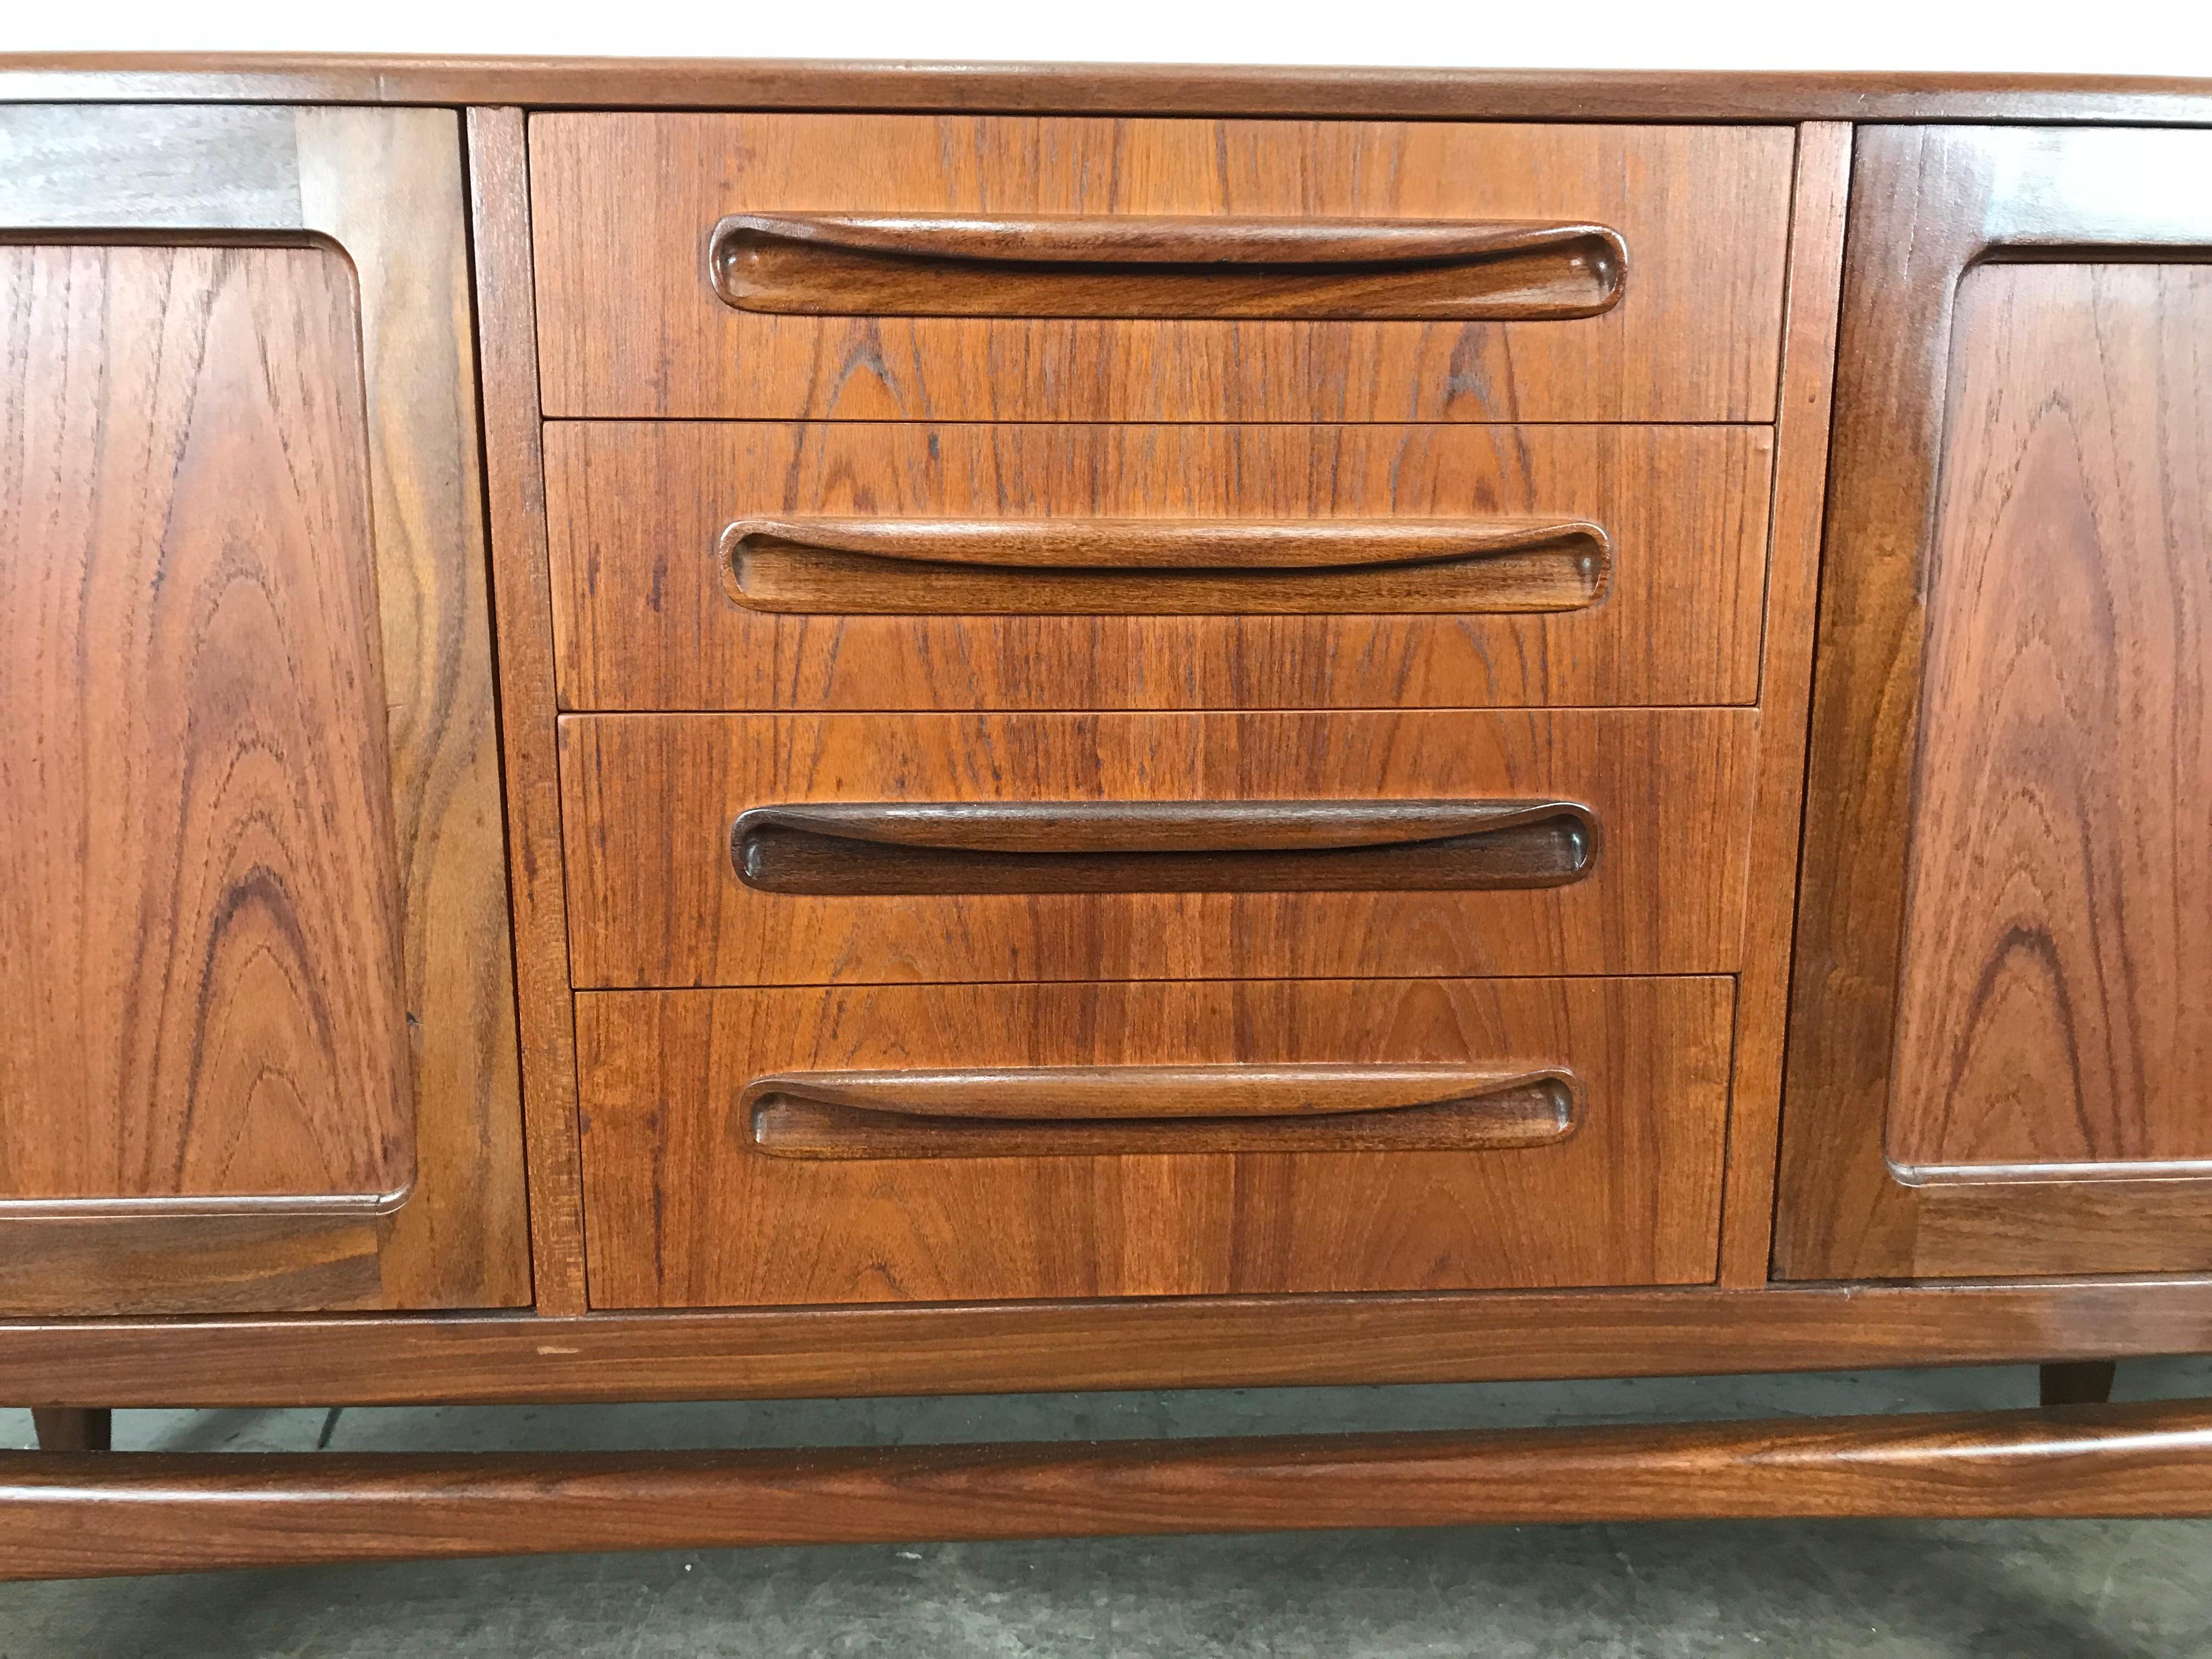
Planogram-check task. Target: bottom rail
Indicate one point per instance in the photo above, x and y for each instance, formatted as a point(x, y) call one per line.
point(83, 1514)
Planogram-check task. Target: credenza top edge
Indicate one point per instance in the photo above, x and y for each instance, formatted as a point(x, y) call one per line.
point(1093, 88)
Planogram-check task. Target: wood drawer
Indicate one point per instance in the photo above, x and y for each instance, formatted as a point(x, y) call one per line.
point(1631, 573)
point(685, 1207)
point(1151, 269)
point(655, 899)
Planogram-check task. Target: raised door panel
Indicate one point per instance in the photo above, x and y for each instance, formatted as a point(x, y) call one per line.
point(640, 317)
point(260, 1047)
point(2054, 1020)
point(2001, 1025)
point(199, 900)
point(1663, 529)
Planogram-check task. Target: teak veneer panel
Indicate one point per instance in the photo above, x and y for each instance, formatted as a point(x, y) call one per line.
point(2051, 1018)
point(387, 187)
point(384, 188)
point(2064, 658)
point(1818, 222)
point(200, 905)
point(655, 900)
point(645, 620)
point(682, 1211)
point(514, 491)
point(630, 325)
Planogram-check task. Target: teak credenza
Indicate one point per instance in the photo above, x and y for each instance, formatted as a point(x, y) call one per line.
point(694, 730)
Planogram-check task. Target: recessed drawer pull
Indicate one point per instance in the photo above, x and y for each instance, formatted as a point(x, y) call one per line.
point(1163, 567)
point(939, 264)
point(1104, 1111)
point(849, 847)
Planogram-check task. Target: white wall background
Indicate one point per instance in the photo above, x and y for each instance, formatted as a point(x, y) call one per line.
point(2139, 37)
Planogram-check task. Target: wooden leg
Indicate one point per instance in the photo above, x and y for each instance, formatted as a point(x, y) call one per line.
point(2083, 1382)
point(74, 1428)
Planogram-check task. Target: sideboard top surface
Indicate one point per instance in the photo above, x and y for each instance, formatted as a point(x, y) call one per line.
point(1076, 88)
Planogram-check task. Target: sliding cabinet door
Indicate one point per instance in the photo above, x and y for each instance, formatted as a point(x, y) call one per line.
point(2000, 1047)
point(257, 1027)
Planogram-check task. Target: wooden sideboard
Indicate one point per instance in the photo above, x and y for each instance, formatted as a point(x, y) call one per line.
point(703, 729)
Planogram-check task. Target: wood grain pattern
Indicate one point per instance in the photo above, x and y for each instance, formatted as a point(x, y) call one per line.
point(1235, 1342)
point(1928, 205)
point(199, 905)
point(86, 1515)
point(630, 324)
point(1467, 94)
point(890, 848)
point(1139, 567)
point(934, 264)
point(685, 1213)
point(2049, 1022)
point(120, 1263)
point(645, 620)
point(1092, 1111)
point(1800, 477)
point(514, 488)
point(655, 901)
point(385, 188)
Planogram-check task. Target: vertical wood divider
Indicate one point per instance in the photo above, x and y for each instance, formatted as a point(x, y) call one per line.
point(1814, 295)
point(514, 478)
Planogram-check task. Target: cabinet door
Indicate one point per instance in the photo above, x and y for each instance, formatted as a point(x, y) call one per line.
point(2001, 1041)
point(259, 1029)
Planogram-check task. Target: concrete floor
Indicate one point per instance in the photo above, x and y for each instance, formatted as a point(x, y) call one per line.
point(1874, 1591)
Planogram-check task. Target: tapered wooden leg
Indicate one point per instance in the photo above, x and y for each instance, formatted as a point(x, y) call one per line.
point(2083, 1382)
point(74, 1428)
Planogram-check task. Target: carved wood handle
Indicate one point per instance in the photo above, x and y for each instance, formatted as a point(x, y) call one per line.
point(1109, 1111)
point(1162, 846)
point(1163, 567)
point(940, 264)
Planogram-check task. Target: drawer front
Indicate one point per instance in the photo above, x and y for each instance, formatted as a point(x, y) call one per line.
point(1298, 846)
point(785, 266)
point(1464, 566)
point(697, 1195)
